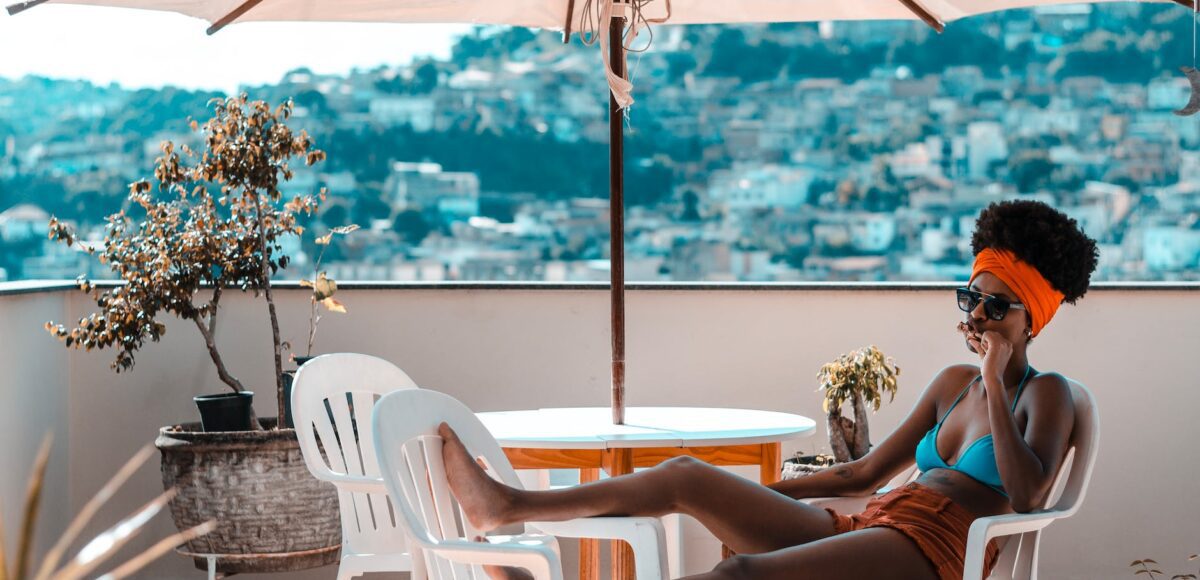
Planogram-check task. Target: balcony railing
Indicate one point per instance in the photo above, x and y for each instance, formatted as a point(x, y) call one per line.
point(513, 346)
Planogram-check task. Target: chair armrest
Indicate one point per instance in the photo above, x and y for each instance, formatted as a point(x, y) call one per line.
point(538, 557)
point(984, 529)
point(355, 483)
point(603, 528)
point(645, 535)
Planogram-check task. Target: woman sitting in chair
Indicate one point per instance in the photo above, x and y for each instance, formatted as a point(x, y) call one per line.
point(988, 440)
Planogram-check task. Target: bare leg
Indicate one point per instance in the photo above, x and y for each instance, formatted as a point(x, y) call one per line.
point(507, 573)
point(746, 516)
point(876, 553)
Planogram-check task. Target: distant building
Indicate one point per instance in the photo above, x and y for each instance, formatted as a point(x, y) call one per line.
point(758, 186)
point(985, 145)
point(91, 153)
point(872, 233)
point(1167, 249)
point(24, 223)
point(417, 112)
point(1166, 93)
point(424, 185)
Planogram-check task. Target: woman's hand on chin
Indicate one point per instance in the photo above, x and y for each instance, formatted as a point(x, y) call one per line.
point(996, 352)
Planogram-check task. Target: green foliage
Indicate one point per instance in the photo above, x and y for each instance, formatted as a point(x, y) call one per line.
point(150, 110)
point(865, 371)
point(412, 226)
point(1030, 170)
point(1149, 568)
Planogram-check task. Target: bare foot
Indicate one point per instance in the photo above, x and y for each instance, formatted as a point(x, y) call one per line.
point(484, 500)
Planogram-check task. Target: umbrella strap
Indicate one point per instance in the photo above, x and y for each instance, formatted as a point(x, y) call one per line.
point(622, 89)
point(595, 22)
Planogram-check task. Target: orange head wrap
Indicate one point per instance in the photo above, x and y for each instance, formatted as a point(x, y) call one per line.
point(1041, 300)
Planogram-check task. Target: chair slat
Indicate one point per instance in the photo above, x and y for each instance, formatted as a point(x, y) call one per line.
point(418, 476)
point(350, 450)
point(364, 402)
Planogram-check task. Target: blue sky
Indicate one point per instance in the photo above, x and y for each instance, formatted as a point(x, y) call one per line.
point(139, 48)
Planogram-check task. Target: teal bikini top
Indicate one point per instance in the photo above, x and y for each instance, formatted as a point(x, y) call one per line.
point(979, 460)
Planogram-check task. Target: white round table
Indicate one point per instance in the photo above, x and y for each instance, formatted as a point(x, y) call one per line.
point(585, 438)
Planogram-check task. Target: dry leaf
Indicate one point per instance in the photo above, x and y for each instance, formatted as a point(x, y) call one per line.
point(324, 287)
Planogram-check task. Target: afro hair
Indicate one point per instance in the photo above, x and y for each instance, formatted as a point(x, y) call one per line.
point(1042, 237)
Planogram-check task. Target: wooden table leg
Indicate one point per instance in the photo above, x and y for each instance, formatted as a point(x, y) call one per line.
point(771, 465)
point(620, 462)
point(589, 550)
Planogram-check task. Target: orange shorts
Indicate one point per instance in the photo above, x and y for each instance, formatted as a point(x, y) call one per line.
point(937, 525)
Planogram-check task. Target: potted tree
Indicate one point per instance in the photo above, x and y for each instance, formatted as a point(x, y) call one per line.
point(860, 377)
point(214, 224)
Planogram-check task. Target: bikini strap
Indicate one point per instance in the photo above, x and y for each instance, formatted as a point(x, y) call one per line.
point(960, 396)
point(1021, 387)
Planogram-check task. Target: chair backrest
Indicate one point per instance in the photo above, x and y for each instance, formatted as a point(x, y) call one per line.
point(1018, 557)
point(1070, 486)
point(410, 457)
point(332, 399)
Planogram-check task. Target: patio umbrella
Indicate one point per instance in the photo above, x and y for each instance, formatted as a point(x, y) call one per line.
point(613, 23)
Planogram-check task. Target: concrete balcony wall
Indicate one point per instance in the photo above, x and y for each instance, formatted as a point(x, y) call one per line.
point(34, 401)
point(736, 346)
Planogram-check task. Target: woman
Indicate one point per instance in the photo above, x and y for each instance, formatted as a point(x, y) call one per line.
point(988, 439)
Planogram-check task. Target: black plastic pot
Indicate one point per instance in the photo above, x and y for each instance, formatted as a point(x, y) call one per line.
point(226, 411)
point(288, 378)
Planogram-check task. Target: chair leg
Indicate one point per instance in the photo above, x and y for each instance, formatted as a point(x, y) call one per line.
point(1027, 563)
point(650, 560)
point(346, 572)
point(418, 561)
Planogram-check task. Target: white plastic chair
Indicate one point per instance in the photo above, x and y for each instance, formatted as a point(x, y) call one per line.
point(1019, 556)
point(410, 456)
point(332, 399)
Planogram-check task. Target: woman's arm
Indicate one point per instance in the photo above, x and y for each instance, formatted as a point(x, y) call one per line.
point(866, 474)
point(846, 479)
point(1029, 461)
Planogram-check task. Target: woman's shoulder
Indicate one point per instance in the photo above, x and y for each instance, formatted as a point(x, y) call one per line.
point(1047, 392)
point(1050, 385)
point(961, 374)
point(951, 380)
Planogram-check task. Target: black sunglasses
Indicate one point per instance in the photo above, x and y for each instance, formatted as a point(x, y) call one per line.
point(995, 306)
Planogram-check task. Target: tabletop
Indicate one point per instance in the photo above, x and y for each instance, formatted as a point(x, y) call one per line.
point(592, 427)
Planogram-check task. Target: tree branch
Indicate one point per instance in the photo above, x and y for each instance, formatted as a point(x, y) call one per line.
point(212, 316)
point(211, 343)
point(266, 283)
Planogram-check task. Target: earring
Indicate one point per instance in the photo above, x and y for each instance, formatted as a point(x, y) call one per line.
point(1028, 335)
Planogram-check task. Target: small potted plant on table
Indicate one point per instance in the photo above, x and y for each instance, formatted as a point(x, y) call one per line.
point(860, 377)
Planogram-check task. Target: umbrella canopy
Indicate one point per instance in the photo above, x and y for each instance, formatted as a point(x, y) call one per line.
point(613, 23)
point(553, 13)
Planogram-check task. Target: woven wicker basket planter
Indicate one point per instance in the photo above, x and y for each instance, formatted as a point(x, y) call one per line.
point(272, 514)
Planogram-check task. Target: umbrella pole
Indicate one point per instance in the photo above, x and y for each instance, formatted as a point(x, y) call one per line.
point(616, 184)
